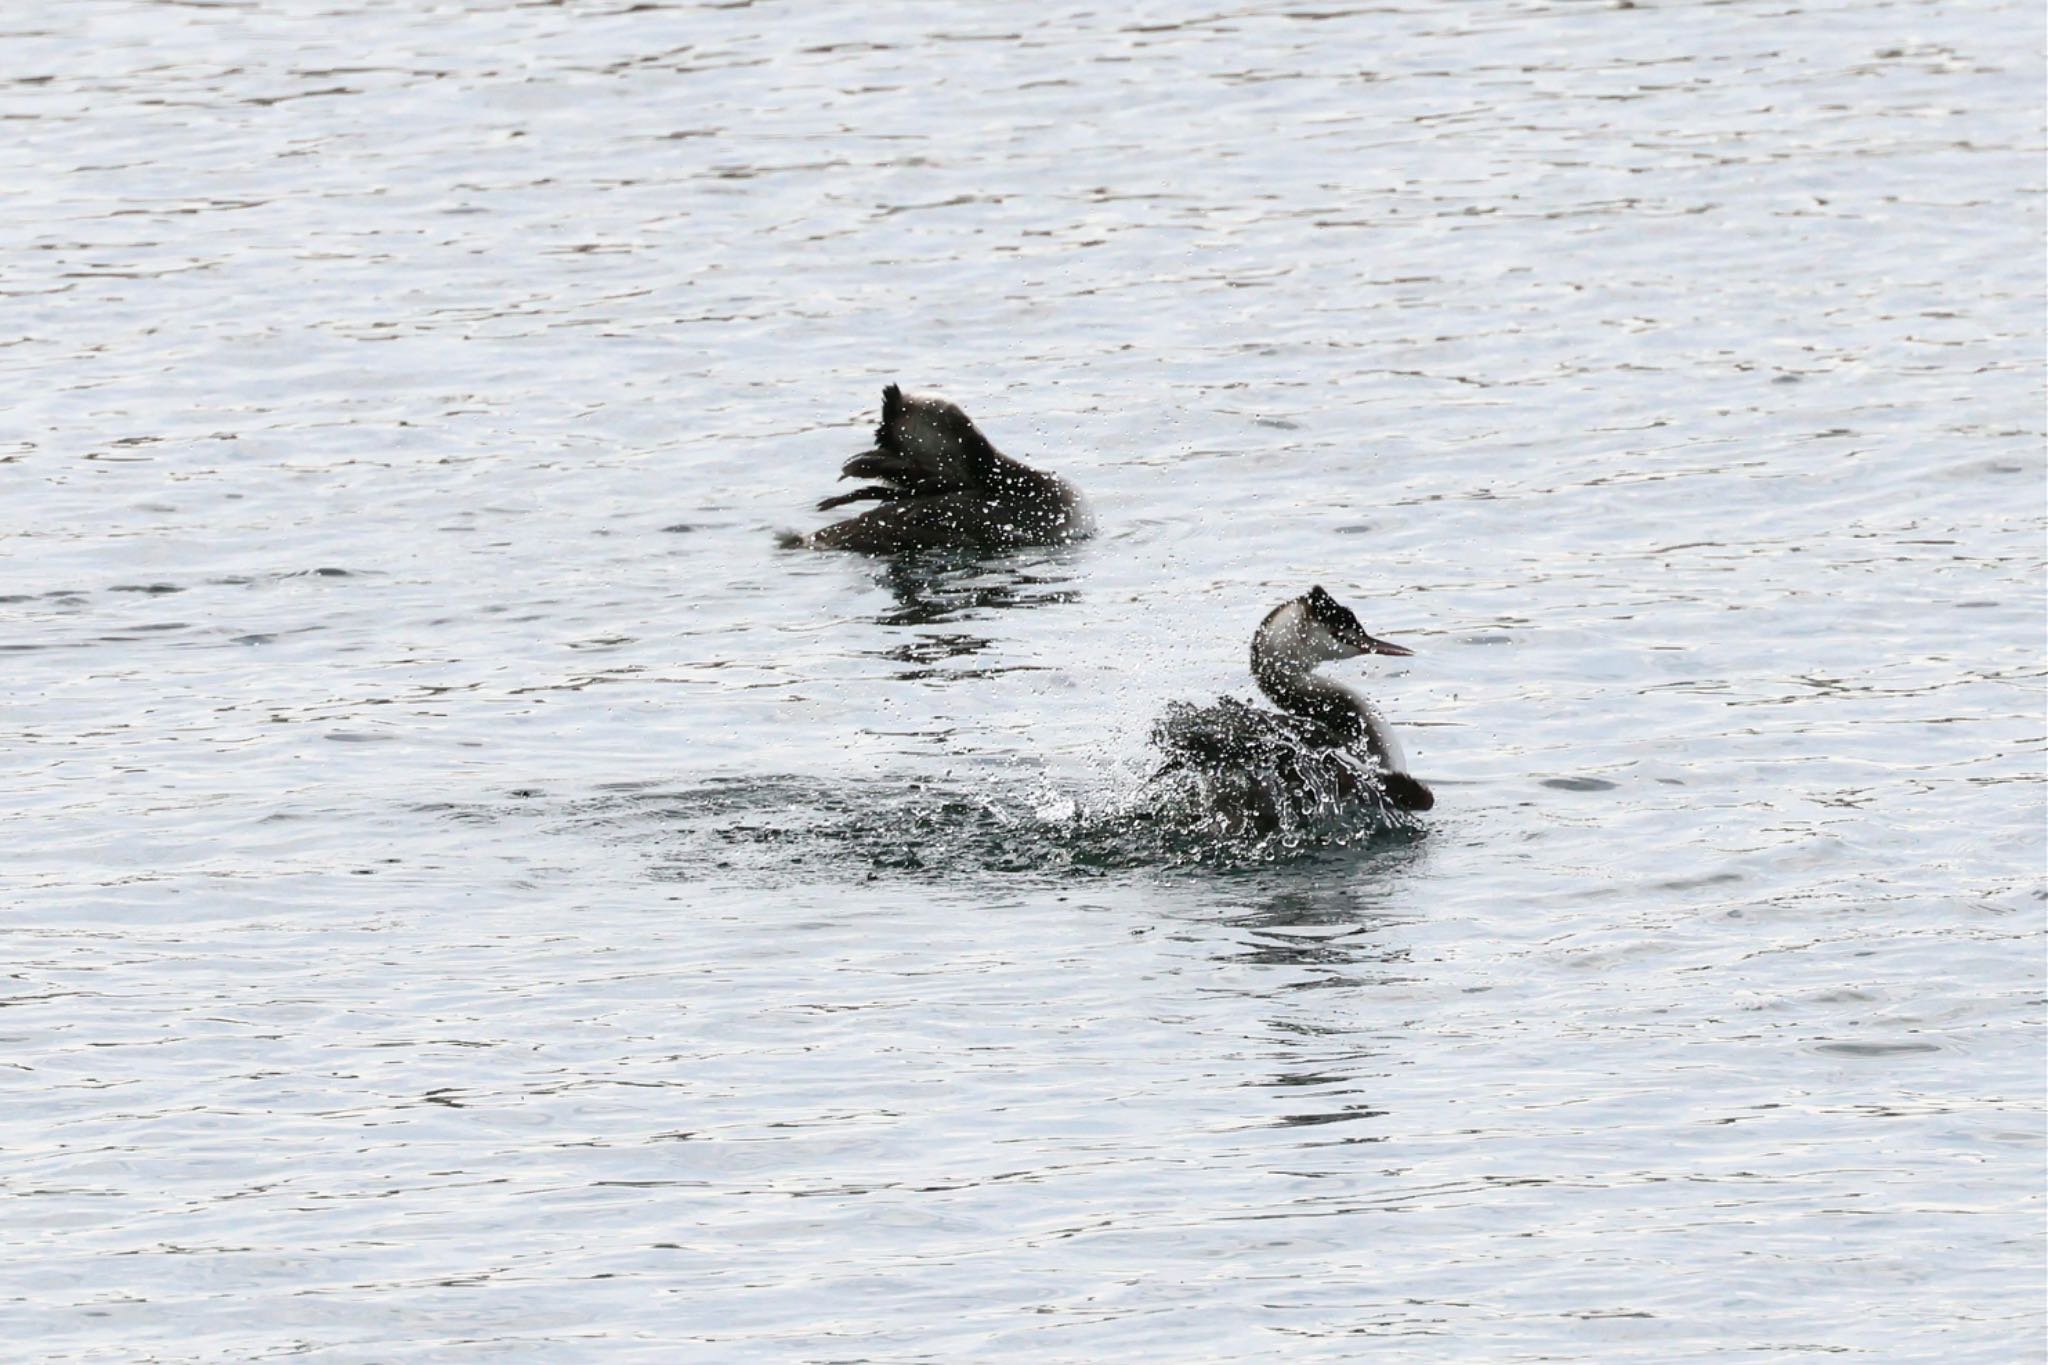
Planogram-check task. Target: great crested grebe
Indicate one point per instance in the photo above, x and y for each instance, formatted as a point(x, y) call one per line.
point(1330, 747)
point(942, 484)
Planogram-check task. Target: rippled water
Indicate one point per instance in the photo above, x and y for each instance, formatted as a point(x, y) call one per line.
point(470, 895)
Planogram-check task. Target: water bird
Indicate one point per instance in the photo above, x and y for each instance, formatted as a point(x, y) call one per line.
point(1327, 751)
point(942, 484)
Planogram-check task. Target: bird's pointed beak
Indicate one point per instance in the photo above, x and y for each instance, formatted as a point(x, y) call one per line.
point(1374, 645)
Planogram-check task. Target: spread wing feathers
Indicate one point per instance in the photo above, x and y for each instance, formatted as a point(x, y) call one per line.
point(922, 446)
point(904, 522)
point(1234, 733)
point(874, 492)
point(1265, 761)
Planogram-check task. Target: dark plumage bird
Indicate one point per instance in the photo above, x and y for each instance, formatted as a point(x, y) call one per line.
point(941, 483)
point(1325, 749)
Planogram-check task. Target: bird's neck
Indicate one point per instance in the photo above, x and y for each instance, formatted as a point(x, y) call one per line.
point(1305, 694)
point(1295, 688)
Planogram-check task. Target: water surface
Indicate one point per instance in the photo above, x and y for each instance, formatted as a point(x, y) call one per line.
point(471, 895)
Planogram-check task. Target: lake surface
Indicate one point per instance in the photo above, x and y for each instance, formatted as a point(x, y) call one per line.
point(469, 895)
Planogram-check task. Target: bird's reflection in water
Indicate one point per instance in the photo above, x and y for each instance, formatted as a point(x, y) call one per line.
point(1317, 941)
point(942, 588)
point(1328, 913)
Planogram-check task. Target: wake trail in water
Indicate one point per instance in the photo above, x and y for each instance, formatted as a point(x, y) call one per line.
point(774, 827)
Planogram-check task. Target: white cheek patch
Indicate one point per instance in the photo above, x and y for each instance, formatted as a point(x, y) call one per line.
point(1320, 644)
point(1294, 642)
point(1298, 643)
point(1326, 646)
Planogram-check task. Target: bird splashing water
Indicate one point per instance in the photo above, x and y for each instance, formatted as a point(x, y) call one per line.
point(942, 484)
point(1327, 757)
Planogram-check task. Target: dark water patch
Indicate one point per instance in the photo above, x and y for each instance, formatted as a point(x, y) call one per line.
point(1696, 883)
point(153, 589)
point(948, 588)
point(1579, 784)
point(1346, 1114)
point(1876, 1049)
point(132, 635)
point(925, 658)
point(1992, 466)
point(943, 586)
point(949, 675)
